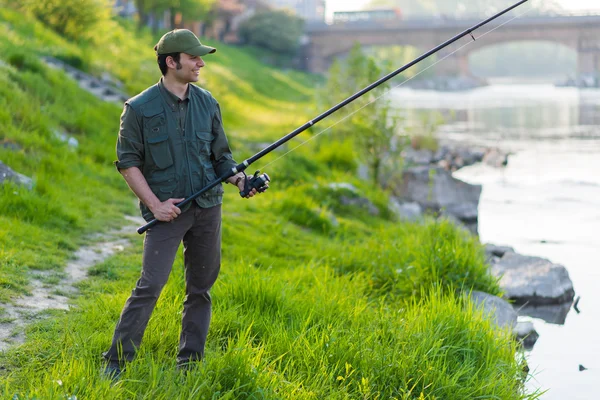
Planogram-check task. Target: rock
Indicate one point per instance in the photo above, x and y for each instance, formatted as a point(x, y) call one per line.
point(7, 174)
point(533, 280)
point(443, 153)
point(435, 189)
point(102, 88)
point(360, 202)
point(502, 313)
point(10, 145)
point(418, 157)
point(63, 137)
point(495, 158)
point(111, 80)
point(498, 251)
point(405, 211)
point(526, 334)
point(353, 198)
point(494, 253)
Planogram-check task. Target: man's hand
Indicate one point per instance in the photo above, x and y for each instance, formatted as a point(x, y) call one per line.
point(241, 185)
point(167, 210)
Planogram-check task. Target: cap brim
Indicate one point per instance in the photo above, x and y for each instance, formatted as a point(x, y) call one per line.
point(201, 50)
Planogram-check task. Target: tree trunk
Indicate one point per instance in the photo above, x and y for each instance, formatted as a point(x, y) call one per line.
point(155, 21)
point(172, 17)
point(142, 15)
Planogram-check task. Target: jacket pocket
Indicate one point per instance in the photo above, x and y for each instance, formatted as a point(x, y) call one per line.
point(157, 137)
point(160, 151)
point(203, 142)
point(163, 185)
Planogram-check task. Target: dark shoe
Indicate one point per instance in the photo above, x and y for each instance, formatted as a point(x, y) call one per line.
point(112, 371)
point(184, 366)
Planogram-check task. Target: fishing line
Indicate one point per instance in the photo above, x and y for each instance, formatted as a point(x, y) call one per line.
point(395, 87)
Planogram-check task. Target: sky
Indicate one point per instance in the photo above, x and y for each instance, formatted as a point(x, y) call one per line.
point(352, 5)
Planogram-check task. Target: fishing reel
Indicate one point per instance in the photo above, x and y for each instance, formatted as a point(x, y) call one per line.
point(257, 181)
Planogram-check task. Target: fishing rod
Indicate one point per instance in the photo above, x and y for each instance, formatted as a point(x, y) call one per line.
point(259, 182)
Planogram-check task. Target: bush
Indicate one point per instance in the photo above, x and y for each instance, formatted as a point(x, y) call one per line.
point(74, 19)
point(25, 62)
point(274, 30)
point(338, 154)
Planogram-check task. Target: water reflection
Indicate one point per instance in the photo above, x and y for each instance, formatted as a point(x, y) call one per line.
point(553, 314)
point(508, 112)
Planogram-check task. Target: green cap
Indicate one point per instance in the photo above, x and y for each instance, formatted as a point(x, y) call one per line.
point(182, 41)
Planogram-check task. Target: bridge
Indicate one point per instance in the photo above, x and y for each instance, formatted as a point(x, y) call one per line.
point(580, 33)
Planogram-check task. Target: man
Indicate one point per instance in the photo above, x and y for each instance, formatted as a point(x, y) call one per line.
point(171, 144)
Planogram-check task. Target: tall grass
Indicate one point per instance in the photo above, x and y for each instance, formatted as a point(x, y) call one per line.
point(298, 332)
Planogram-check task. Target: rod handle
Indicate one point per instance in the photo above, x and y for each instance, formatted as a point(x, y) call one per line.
point(149, 225)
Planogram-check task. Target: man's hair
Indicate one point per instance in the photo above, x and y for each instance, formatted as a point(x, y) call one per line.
point(162, 61)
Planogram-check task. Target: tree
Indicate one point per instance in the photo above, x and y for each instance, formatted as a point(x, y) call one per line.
point(371, 122)
point(75, 19)
point(190, 10)
point(278, 31)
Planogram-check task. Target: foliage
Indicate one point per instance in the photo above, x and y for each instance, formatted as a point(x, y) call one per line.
point(276, 30)
point(369, 121)
point(75, 19)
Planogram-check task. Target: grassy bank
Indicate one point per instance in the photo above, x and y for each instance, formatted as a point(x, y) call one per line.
point(315, 300)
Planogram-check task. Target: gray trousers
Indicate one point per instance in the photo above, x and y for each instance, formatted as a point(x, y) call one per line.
point(200, 230)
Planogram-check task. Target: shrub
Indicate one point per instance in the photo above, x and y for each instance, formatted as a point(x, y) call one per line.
point(74, 19)
point(25, 62)
point(278, 31)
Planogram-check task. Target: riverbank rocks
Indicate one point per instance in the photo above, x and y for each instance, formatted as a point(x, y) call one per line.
point(436, 190)
point(505, 317)
point(7, 174)
point(452, 157)
point(526, 334)
point(494, 253)
point(405, 211)
point(105, 88)
point(498, 309)
point(533, 280)
point(349, 195)
point(63, 137)
point(7, 144)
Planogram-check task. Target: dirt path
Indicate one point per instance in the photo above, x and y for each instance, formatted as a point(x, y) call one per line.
point(48, 289)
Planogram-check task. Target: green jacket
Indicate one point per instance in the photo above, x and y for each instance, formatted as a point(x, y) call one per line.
point(175, 162)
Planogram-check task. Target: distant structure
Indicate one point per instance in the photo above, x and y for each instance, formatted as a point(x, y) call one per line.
point(124, 8)
point(326, 42)
point(310, 10)
point(393, 14)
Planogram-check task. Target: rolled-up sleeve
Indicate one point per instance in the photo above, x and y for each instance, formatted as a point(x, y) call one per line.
point(221, 156)
point(130, 143)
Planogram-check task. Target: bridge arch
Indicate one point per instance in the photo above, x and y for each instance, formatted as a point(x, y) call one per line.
point(578, 32)
point(539, 58)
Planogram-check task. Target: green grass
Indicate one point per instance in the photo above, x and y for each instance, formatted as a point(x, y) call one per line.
point(298, 331)
point(315, 300)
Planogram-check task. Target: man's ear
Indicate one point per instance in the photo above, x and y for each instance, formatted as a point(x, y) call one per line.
point(170, 62)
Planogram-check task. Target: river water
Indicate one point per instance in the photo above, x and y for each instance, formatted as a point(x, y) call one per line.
point(545, 203)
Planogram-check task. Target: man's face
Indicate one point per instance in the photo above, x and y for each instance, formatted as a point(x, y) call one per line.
point(188, 69)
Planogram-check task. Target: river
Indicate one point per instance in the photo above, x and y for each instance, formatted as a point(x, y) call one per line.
point(545, 203)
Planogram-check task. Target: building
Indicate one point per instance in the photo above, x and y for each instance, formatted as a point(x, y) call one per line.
point(310, 10)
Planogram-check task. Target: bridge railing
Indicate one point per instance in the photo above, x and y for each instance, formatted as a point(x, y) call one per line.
point(442, 21)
